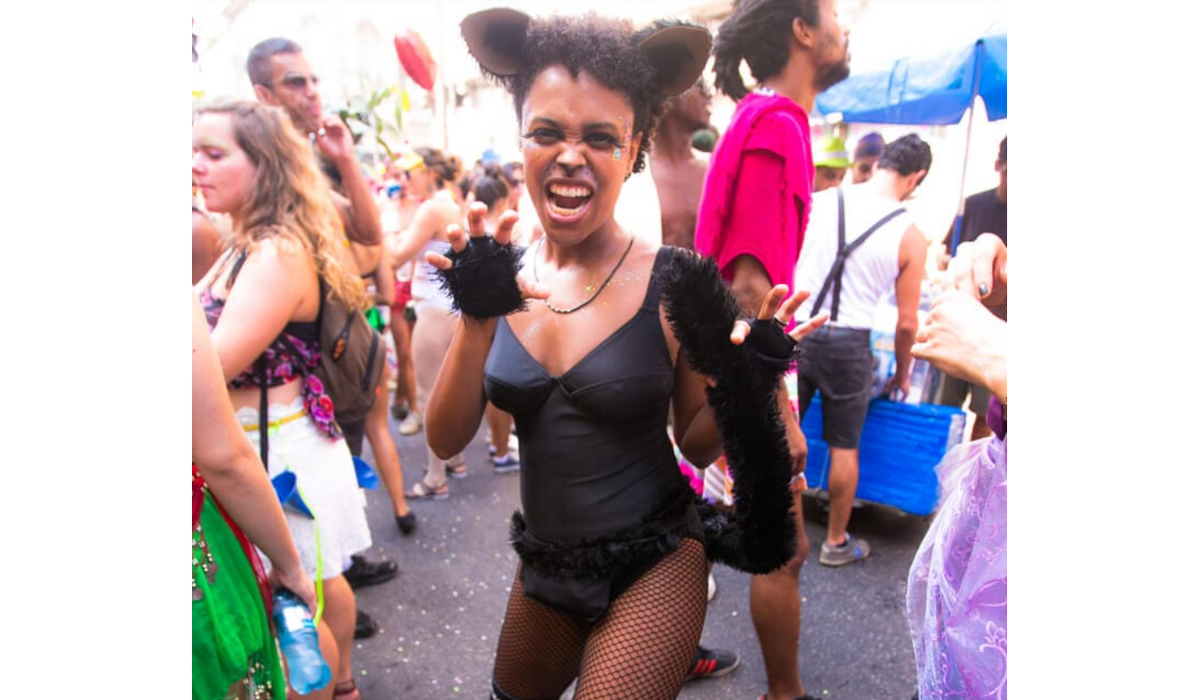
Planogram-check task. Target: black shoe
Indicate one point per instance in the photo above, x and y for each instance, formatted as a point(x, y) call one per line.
point(407, 523)
point(365, 626)
point(365, 573)
point(712, 663)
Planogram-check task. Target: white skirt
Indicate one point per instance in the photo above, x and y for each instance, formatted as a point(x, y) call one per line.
point(324, 473)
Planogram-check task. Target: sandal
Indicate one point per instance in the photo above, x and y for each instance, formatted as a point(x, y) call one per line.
point(421, 491)
point(346, 691)
point(407, 523)
point(457, 471)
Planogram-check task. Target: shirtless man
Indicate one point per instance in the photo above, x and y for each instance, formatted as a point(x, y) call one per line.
point(679, 169)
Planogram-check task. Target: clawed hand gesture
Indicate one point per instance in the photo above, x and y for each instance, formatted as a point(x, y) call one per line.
point(774, 307)
point(503, 235)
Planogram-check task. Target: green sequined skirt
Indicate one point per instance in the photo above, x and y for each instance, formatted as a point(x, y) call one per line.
point(233, 651)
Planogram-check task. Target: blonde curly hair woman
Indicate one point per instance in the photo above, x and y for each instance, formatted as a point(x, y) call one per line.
point(261, 300)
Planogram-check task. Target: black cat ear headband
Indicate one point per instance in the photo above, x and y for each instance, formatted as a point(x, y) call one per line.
point(676, 51)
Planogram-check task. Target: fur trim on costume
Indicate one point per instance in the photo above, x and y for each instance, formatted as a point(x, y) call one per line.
point(759, 536)
point(483, 281)
point(595, 558)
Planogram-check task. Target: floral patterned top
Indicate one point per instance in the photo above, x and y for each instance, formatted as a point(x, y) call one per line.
point(282, 367)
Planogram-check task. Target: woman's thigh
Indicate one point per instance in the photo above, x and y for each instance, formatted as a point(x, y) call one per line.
point(540, 648)
point(643, 645)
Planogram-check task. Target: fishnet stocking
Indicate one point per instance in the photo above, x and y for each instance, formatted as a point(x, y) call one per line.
point(539, 650)
point(645, 643)
point(641, 648)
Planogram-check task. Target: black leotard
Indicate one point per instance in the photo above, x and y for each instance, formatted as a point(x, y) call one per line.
point(602, 493)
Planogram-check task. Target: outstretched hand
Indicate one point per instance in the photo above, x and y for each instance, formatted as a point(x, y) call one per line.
point(980, 269)
point(503, 236)
point(962, 338)
point(782, 312)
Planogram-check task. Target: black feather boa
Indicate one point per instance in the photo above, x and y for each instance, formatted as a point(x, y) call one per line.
point(759, 536)
point(483, 281)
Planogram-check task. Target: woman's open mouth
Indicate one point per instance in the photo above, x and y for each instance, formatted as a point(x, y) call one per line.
point(567, 203)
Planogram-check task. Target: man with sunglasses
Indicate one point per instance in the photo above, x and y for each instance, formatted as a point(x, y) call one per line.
point(282, 77)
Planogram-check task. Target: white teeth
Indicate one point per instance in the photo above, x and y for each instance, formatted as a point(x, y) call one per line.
point(560, 211)
point(565, 191)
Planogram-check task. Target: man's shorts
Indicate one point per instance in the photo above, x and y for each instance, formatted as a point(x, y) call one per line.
point(954, 393)
point(837, 362)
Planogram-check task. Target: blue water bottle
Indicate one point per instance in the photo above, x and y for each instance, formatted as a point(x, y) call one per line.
point(307, 670)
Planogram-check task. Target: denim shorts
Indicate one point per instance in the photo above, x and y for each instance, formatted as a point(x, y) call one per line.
point(838, 363)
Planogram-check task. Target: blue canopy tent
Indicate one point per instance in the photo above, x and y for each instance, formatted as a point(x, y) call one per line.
point(934, 90)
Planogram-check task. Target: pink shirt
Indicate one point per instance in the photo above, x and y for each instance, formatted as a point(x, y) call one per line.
point(758, 189)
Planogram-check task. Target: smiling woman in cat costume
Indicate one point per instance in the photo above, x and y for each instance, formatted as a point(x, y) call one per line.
point(590, 338)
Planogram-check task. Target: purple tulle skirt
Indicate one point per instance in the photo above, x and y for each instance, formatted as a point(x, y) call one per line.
point(958, 584)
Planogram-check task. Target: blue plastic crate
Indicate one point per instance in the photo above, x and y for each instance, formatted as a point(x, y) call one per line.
point(900, 446)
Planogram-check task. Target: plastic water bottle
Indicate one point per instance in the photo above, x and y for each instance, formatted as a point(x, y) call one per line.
point(307, 670)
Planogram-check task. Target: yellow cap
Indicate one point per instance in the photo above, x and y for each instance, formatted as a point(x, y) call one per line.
point(832, 154)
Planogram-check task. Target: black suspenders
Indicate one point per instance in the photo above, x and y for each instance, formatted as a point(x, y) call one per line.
point(834, 278)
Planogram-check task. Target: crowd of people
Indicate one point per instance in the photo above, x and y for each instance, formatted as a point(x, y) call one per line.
point(593, 344)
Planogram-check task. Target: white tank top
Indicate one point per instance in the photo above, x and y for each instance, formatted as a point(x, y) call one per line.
point(425, 286)
point(871, 270)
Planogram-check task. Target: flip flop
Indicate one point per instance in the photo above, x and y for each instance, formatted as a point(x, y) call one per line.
point(457, 471)
point(420, 491)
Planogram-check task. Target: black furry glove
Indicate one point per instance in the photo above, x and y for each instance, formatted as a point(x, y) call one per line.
point(483, 280)
point(760, 535)
point(770, 343)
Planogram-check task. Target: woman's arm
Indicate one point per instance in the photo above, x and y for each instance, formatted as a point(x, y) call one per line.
point(206, 245)
point(385, 280)
point(456, 405)
point(433, 216)
point(231, 467)
point(273, 282)
point(695, 428)
point(695, 425)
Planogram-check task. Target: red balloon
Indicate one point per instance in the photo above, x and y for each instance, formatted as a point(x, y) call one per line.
point(415, 58)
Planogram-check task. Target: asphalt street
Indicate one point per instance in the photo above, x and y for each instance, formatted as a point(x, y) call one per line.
point(440, 617)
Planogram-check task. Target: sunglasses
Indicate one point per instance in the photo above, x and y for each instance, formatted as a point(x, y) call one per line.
point(298, 82)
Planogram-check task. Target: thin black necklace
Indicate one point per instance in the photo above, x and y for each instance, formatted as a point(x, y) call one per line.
point(590, 299)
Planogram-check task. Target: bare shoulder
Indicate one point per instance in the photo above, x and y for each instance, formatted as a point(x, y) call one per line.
point(280, 252)
point(439, 212)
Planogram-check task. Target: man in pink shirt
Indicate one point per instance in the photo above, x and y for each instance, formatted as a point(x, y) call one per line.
point(752, 218)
